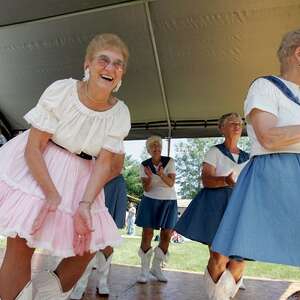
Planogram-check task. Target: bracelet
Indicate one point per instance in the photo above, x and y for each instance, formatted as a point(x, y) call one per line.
point(86, 202)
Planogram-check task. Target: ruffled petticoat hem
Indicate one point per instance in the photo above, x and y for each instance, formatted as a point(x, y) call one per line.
point(47, 246)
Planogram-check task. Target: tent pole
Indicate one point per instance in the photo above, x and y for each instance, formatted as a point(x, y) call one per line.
point(159, 73)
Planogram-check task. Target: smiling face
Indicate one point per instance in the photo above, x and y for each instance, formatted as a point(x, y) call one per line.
point(155, 150)
point(106, 68)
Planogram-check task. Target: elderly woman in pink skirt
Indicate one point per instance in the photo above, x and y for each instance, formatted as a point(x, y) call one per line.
point(52, 176)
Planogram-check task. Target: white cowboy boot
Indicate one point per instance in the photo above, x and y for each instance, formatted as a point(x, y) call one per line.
point(242, 286)
point(26, 293)
point(145, 264)
point(228, 285)
point(158, 259)
point(81, 284)
point(209, 285)
point(47, 286)
point(103, 267)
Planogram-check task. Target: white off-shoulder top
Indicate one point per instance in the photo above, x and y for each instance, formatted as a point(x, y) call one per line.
point(76, 127)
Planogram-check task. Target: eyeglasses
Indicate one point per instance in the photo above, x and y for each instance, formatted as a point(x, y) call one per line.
point(104, 61)
point(233, 123)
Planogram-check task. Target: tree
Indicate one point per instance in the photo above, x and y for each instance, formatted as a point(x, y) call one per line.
point(131, 174)
point(189, 157)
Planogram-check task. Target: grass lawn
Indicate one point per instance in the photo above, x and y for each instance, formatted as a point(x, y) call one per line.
point(192, 256)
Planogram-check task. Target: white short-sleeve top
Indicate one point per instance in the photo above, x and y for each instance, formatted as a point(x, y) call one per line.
point(264, 95)
point(74, 126)
point(223, 164)
point(159, 190)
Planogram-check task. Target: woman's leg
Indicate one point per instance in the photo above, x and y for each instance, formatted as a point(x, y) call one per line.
point(70, 270)
point(223, 276)
point(59, 283)
point(165, 237)
point(147, 236)
point(80, 287)
point(16, 268)
point(216, 267)
point(217, 264)
point(236, 268)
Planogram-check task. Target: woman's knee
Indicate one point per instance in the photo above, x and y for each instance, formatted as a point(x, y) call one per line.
point(74, 265)
point(17, 248)
point(108, 251)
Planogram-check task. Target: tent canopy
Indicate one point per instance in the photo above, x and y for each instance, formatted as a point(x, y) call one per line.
point(190, 60)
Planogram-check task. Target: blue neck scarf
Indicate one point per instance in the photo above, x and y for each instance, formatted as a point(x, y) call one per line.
point(243, 156)
point(148, 163)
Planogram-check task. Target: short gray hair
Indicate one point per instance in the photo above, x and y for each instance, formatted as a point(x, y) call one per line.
point(289, 43)
point(224, 117)
point(153, 139)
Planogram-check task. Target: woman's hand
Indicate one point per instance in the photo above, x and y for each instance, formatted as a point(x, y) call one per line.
point(82, 228)
point(160, 170)
point(49, 206)
point(229, 179)
point(148, 171)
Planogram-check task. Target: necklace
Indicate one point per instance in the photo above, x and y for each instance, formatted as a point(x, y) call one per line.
point(109, 102)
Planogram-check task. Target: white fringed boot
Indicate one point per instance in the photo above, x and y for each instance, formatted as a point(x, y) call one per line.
point(225, 289)
point(242, 286)
point(47, 286)
point(103, 267)
point(145, 265)
point(158, 259)
point(228, 285)
point(81, 284)
point(26, 293)
point(209, 285)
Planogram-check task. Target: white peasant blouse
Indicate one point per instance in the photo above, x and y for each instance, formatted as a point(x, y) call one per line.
point(74, 126)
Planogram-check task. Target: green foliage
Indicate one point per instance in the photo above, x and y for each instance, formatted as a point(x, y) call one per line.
point(244, 144)
point(144, 155)
point(189, 155)
point(131, 174)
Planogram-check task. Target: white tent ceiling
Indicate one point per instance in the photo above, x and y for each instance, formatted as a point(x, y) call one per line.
point(191, 60)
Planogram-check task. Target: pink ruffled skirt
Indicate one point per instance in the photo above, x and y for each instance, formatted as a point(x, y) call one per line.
point(21, 199)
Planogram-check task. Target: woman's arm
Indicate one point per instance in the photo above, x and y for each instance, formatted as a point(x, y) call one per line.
point(83, 223)
point(117, 165)
point(270, 136)
point(147, 181)
point(100, 175)
point(36, 144)
point(210, 180)
point(169, 179)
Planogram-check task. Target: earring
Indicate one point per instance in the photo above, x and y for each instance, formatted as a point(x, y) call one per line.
point(86, 76)
point(117, 87)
